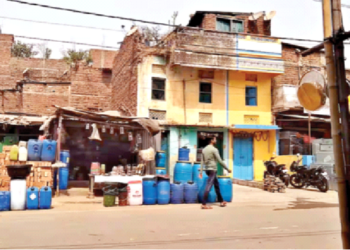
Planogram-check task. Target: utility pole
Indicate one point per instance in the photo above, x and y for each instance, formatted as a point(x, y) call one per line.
point(332, 25)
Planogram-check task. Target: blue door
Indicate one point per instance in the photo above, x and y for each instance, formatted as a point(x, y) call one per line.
point(243, 159)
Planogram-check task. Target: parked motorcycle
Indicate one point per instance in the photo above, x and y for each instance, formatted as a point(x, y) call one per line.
point(316, 177)
point(280, 171)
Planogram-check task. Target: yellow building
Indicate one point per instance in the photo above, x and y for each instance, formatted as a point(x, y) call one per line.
point(195, 90)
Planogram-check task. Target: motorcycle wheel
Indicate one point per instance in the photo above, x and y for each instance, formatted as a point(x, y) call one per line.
point(323, 186)
point(296, 182)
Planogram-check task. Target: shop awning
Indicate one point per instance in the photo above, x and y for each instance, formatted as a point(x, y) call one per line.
point(110, 117)
point(256, 127)
point(23, 120)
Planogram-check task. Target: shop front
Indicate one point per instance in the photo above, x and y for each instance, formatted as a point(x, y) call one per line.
point(195, 138)
point(251, 145)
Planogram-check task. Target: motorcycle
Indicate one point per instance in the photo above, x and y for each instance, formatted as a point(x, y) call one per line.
point(316, 177)
point(280, 171)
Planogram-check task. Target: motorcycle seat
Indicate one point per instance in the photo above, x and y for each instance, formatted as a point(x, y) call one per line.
point(281, 165)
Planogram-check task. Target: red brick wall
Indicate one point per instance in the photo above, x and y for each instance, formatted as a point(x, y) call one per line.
point(259, 26)
point(125, 75)
point(90, 87)
point(292, 68)
point(103, 59)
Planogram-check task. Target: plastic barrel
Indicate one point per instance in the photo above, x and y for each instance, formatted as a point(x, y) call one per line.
point(184, 154)
point(191, 192)
point(48, 152)
point(161, 159)
point(149, 186)
point(183, 172)
point(163, 192)
point(63, 178)
point(201, 187)
point(196, 171)
point(32, 198)
point(177, 193)
point(34, 150)
point(225, 183)
point(45, 199)
point(5, 201)
point(160, 171)
point(18, 190)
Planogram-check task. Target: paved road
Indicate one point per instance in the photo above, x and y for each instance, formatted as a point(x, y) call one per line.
point(300, 223)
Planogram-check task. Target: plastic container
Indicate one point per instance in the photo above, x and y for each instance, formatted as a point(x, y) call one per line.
point(135, 193)
point(123, 196)
point(64, 157)
point(190, 192)
point(201, 185)
point(20, 171)
point(45, 199)
point(163, 191)
point(149, 186)
point(109, 194)
point(18, 190)
point(160, 171)
point(95, 168)
point(5, 201)
point(183, 172)
point(22, 153)
point(177, 193)
point(48, 152)
point(32, 198)
point(34, 150)
point(14, 153)
point(225, 184)
point(63, 178)
point(161, 159)
point(184, 154)
point(196, 171)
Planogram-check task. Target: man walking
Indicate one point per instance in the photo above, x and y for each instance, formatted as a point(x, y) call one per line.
point(210, 158)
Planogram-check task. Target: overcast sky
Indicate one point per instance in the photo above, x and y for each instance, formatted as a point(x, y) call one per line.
point(295, 18)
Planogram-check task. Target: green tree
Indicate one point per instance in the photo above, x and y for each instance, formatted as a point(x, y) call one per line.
point(74, 56)
point(23, 50)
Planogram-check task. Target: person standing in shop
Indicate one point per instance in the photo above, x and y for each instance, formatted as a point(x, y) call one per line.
point(210, 158)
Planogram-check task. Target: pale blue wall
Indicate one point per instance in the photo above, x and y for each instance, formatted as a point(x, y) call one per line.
point(189, 139)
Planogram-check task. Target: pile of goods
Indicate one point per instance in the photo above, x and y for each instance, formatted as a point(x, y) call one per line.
point(40, 175)
point(274, 184)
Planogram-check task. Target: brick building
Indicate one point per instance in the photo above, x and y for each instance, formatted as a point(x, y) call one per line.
point(32, 85)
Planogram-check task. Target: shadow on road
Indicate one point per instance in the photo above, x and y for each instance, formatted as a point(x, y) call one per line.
point(302, 203)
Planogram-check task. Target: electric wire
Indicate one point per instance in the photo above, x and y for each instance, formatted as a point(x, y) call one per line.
point(154, 23)
point(61, 41)
point(61, 24)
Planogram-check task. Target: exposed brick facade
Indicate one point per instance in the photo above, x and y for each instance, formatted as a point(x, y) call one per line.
point(125, 74)
point(259, 26)
point(89, 88)
point(296, 65)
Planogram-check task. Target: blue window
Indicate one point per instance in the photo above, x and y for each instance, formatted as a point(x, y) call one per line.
point(251, 98)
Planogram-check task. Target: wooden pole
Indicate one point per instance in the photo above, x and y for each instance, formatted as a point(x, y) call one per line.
point(309, 121)
point(335, 117)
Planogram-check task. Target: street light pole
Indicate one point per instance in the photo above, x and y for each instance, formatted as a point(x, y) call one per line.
point(328, 14)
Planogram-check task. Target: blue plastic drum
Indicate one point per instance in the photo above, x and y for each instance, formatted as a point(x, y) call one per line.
point(163, 192)
point(177, 193)
point(191, 192)
point(226, 188)
point(160, 171)
point(32, 198)
point(149, 191)
point(183, 172)
point(161, 159)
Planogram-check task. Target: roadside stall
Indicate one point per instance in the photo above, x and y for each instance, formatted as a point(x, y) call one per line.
point(105, 147)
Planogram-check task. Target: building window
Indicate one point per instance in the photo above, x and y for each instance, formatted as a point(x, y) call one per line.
point(206, 117)
point(251, 96)
point(227, 25)
point(205, 92)
point(157, 115)
point(158, 89)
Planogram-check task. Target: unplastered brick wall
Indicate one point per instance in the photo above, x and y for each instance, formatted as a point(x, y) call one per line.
point(296, 65)
point(84, 87)
point(125, 73)
point(259, 26)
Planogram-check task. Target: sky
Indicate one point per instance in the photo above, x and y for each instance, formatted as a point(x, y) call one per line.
point(294, 18)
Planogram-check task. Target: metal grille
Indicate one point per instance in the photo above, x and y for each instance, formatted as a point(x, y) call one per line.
point(206, 117)
point(157, 115)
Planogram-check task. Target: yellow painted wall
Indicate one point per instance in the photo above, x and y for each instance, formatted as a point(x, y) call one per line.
point(174, 103)
point(262, 151)
point(237, 107)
